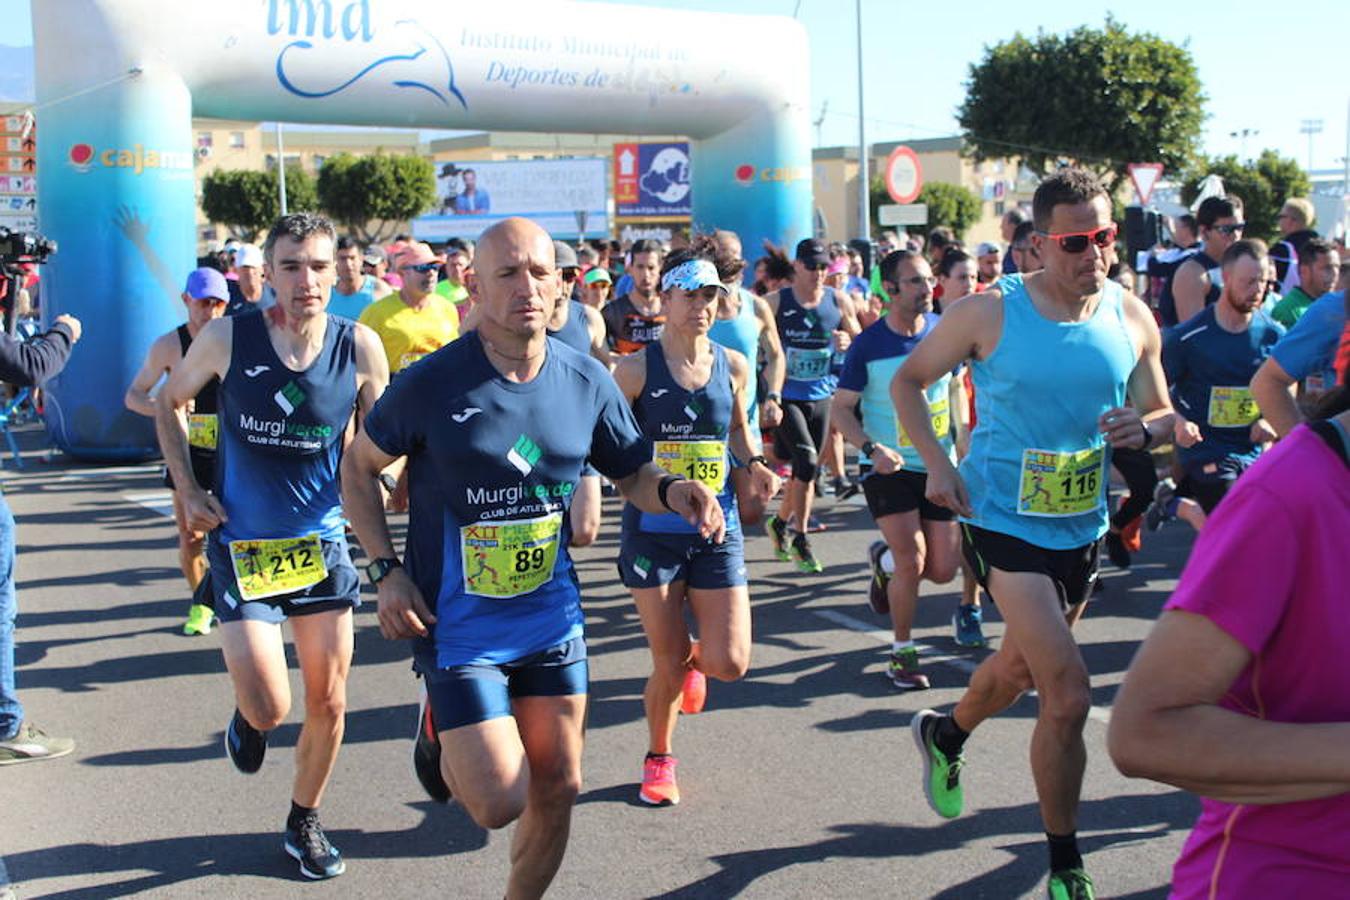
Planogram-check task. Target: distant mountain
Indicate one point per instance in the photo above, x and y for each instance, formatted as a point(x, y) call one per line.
point(16, 74)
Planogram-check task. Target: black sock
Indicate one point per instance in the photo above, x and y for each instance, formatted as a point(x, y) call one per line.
point(1064, 851)
point(298, 814)
point(651, 755)
point(949, 736)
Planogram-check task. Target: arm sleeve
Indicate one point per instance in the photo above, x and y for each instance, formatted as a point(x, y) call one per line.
point(1310, 345)
point(32, 362)
point(1242, 592)
point(618, 447)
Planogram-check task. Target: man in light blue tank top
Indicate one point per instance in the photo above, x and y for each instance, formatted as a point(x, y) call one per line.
point(354, 290)
point(1052, 355)
point(290, 377)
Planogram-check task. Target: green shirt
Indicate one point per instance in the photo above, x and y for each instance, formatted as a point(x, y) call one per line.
point(1292, 307)
point(455, 293)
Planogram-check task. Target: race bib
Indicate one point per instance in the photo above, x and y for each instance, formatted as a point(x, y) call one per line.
point(511, 558)
point(1061, 483)
point(1232, 407)
point(939, 413)
point(268, 568)
point(202, 431)
point(808, 365)
point(704, 461)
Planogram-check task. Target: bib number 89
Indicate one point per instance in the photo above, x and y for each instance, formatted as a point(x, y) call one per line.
point(529, 559)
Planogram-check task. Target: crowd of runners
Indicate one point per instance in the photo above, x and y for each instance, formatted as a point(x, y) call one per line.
point(978, 401)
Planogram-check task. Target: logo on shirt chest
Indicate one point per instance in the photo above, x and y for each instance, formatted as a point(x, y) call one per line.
point(524, 454)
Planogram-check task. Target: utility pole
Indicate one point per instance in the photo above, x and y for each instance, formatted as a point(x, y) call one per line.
point(281, 169)
point(864, 185)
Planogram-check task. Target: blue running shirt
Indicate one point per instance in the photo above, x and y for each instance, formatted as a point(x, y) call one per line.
point(1210, 370)
point(872, 361)
point(492, 467)
point(280, 436)
point(807, 334)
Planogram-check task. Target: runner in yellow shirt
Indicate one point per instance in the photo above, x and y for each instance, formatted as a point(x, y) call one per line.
point(416, 320)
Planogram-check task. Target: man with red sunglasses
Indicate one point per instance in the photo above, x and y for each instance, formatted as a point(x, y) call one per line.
point(1053, 355)
point(1198, 281)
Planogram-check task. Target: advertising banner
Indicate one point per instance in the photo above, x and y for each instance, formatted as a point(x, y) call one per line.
point(552, 192)
point(652, 180)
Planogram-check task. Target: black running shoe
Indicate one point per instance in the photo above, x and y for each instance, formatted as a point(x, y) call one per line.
point(427, 754)
point(245, 745)
point(1116, 551)
point(307, 843)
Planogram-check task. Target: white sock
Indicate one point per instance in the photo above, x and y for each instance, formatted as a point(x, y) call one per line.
point(888, 562)
point(897, 646)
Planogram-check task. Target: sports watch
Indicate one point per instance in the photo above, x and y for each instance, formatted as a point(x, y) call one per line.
point(378, 569)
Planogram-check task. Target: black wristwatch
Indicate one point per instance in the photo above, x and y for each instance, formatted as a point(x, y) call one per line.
point(773, 397)
point(867, 448)
point(757, 458)
point(378, 569)
point(389, 481)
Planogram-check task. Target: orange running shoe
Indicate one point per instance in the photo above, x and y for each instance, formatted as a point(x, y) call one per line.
point(658, 780)
point(694, 693)
point(1130, 535)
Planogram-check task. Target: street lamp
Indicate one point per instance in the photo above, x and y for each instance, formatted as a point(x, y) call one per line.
point(1242, 134)
point(1310, 127)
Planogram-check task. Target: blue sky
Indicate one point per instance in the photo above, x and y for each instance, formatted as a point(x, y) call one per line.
point(1265, 70)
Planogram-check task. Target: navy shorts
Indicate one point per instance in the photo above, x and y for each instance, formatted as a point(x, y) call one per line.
point(477, 692)
point(340, 590)
point(1208, 482)
point(649, 559)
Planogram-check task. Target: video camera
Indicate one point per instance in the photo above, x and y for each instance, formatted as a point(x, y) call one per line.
point(18, 248)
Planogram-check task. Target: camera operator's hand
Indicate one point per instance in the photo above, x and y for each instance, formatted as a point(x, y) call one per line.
point(73, 324)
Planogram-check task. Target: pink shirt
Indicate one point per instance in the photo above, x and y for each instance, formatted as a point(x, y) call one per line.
point(1272, 569)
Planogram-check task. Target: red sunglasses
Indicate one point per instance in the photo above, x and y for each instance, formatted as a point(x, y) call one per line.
point(1077, 241)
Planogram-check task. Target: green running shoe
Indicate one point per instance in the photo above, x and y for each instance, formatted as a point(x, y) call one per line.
point(1071, 884)
point(776, 529)
point(198, 620)
point(941, 776)
point(806, 560)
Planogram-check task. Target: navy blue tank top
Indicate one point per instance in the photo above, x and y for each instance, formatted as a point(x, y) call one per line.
point(688, 432)
point(806, 333)
point(574, 332)
point(281, 434)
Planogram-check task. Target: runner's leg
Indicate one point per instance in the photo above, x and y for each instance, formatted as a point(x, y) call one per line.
point(256, 659)
point(323, 645)
point(551, 731)
point(661, 610)
point(723, 616)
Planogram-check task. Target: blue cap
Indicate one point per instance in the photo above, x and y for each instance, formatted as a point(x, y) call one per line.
point(207, 282)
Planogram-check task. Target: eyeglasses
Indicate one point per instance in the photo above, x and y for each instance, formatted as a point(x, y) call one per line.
point(422, 267)
point(1230, 229)
point(569, 274)
point(1077, 241)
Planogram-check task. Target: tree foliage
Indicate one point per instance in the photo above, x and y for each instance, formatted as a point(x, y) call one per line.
point(246, 201)
point(371, 195)
point(1100, 98)
point(1263, 187)
point(952, 205)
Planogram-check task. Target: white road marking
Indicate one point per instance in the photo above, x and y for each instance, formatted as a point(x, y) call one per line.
point(155, 501)
point(931, 654)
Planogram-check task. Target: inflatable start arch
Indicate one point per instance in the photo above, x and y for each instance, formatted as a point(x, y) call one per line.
point(119, 81)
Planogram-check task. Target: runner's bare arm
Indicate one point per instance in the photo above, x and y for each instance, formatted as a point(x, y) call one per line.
point(775, 363)
point(1190, 284)
point(1273, 391)
point(1166, 724)
point(1147, 387)
point(742, 440)
point(403, 613)
point(630, 373)
point(207, 358)
point(159, 360)
point(595, 327)
point(690, 499)
point(372, 368)
point(969, 329)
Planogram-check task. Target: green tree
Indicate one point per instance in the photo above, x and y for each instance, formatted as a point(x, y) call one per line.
point(246, 202)
point(952, 205)
point(1263, 187)
point(372, 195)
point(1097, 98)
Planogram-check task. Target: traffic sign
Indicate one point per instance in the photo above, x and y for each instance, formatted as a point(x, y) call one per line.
point(894, 214)
point(904, 175)
point(1145, 176)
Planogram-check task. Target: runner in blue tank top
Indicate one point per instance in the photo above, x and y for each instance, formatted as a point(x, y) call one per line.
point(688, 395)
point(922, 537)
point(1198, 281)
point(290, 378)
point(1210, 361)
point(581, 328)
point(354, 290)
point(496, 427)
point(1052, 356)
point(745, 324)
point(813, 325)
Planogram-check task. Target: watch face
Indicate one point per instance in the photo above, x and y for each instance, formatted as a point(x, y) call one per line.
point(377, 570)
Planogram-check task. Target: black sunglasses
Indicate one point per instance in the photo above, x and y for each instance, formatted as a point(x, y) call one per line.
point(1230, 229)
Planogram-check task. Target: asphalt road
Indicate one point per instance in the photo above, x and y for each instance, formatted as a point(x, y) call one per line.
point(799, 781)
